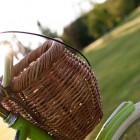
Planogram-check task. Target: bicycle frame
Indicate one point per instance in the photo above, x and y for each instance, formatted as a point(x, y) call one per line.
point(25, 128)
point(115, 120)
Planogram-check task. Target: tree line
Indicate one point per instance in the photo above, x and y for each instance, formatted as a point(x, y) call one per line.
point(97, 22)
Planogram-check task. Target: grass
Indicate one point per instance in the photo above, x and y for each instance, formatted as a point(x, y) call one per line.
point(115, 59)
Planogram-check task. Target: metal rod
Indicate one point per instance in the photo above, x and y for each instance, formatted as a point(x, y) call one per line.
point(8, 66)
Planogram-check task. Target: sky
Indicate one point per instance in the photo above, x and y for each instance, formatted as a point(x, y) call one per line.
point(55, 14)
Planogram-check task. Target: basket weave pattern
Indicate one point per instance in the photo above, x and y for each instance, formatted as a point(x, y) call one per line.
point(56, 91)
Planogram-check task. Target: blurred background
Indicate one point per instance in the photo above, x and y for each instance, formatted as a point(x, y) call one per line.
point(105, 31)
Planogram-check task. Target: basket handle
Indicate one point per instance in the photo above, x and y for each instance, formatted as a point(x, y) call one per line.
point(30, 57)
point(35, 63)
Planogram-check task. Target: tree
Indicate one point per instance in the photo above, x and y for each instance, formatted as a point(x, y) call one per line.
point(46, 31)
point(21, 49)
point(77, 33)
point(95, 23)
point(120, 8)
point(100, 20)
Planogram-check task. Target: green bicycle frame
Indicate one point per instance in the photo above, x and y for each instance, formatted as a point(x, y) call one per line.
point(115, 120)
point(25, 128)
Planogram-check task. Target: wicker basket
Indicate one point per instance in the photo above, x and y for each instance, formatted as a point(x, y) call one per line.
point(56, 91)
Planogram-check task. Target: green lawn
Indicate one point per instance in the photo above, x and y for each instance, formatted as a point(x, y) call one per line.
point(115, 59)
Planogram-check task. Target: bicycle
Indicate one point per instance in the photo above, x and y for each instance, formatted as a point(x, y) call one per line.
point(115, 127)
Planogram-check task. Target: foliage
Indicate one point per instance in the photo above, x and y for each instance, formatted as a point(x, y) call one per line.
point(46, 31)
point(98, 21)
point(120, 8)
point(22, 49)
point(77, 33)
